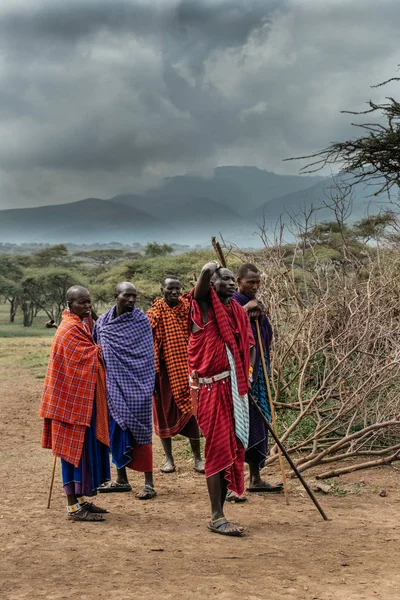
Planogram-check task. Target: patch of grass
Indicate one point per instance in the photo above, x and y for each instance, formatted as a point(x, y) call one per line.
point(340, 489)
point(16, 329)
point(181, 447)
point(36, 361)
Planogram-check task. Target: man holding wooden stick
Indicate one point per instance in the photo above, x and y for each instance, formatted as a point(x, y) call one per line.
point(221, 350)
point(248, 282)
point(74, 409)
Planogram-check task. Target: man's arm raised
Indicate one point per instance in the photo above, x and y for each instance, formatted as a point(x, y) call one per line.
point(202, 287)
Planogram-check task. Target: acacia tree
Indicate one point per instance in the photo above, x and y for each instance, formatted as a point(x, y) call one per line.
point(52, 256)
point(102, 258)
point(45, 289)
point(374, 156)
point(10, 278)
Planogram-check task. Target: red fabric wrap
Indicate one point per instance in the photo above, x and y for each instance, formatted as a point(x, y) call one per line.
point(74, 369)
point(227, 324)
point(142, 458)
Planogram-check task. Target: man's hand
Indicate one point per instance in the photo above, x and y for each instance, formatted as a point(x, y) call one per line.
point(255, 308)
point(211, 267)
point(202, 287)
point(51, 325)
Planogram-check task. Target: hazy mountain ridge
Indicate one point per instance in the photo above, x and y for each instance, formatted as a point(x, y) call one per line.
point(187, 209)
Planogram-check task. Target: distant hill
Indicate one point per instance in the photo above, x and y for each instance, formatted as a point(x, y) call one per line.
point(290, 204)
point(84, 221)
point(239, 188)
point(187, 209)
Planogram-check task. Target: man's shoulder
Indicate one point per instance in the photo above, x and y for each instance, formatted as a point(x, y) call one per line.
point(103, 317)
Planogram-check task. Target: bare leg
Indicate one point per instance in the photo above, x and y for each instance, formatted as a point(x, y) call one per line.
point(198, 461)
point(72, 499)
point(255, 477)
point(148, 490)
point(256, 481)
point(122, 476)
point(217, 495)
point(217, 491)
point(169, 465)
point(148, 479)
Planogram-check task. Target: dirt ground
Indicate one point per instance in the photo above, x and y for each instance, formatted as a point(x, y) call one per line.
point(162, 548)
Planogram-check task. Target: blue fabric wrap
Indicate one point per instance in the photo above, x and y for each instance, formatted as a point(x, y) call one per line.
point(265, 331)
point(121, 445)
point(128, 353)
point(94, 466)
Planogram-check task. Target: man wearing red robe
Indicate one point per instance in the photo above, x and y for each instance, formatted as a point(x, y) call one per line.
point(221, 348)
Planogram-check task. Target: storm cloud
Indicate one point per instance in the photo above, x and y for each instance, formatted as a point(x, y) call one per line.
point(103, 97)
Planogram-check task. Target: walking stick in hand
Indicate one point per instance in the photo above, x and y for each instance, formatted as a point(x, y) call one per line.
point(52, 481)
point(274, 433)
point(264, 366)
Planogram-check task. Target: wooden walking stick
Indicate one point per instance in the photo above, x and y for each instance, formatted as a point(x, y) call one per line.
point(291, 463)
point(273, 416)
point(52, 481)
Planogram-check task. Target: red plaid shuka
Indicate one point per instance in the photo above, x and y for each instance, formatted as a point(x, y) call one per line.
point(170, 334)
point(74, 372)
point(228, 324)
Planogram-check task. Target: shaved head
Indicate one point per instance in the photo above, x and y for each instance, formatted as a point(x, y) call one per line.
point(75, 291)
point(124, 286)
point(221, 272)
point(125, 297)
point(79, 301)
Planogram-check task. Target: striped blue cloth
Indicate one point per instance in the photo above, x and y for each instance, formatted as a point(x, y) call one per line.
point(127, 343)
point(240, 405)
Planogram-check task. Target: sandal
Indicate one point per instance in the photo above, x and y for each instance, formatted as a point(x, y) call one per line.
point(170, 469)
point(113, 486)
point(222, 526)
point(92, 508)
point(233, 497)
point(147, 493)
point(267, 487)
point(84, 515)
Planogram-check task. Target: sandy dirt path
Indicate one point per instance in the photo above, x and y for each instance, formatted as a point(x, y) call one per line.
point(162, 548)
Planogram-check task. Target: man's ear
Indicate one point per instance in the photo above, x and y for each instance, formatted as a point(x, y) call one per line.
point(162, 290)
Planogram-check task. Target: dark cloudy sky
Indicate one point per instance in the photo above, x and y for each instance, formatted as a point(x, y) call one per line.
point(99, 97)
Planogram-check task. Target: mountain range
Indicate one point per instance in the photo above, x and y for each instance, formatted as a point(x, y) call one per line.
point(186, 209)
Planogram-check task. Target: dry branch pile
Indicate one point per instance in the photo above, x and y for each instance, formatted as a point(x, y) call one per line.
point(335, 367)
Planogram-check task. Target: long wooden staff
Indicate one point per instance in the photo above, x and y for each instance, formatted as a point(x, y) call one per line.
point(264, 366)
point(291, 463)
point(218, 251)
point(52, 481)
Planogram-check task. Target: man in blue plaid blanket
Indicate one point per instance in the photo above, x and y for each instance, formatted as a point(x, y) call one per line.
point(125, 335)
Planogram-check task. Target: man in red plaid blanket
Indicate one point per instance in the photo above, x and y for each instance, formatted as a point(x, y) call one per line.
point(172, 410)
point(74, 408)
point(221, 354)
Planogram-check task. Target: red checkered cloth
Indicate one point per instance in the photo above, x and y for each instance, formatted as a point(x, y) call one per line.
point(170, 335)
point(74, 372)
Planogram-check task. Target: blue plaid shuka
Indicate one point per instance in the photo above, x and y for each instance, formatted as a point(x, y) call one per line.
point(128, 353)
